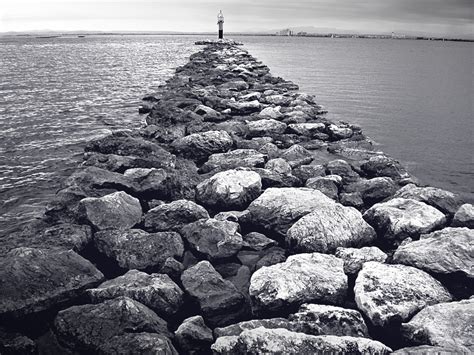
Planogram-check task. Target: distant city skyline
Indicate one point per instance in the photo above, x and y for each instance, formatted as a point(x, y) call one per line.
point(449, 18)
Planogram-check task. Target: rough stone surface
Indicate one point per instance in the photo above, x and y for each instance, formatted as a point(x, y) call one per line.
point(401, 218)
point(34, 280)
point(193, 335)
point(328, 228)
point(300, 279)
point(117, 210)
point(381, 165)
point(265, 127)
point(373, 190)
point(279, 166)
point(200, 146)
point(156, 291)
point(354, 258)
point(246, 158)
point(431, 350)
point(464, 216)
point(444, 324)
point(393, 293)
point(215, 239)
point(296, 155)
point(218, 299)
point(257, 241)
point(16, 343)
point(231, 189)
point(139, 343)
point(137, 249)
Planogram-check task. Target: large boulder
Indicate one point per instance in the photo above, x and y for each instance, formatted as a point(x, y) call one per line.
point(228, 190)
point(389, 294)
point(464, 216)
point(381, 165)
point(300, 279)
point(310, 129)
point(447, 251)
point(94, 178)
point(34, 280)
point(117, 210)
point(199, 146)
point(149, 183)
point(218, 299)
point(283, 341)
point(215, 239)
point(194, 336)
point(373, 190)
point(328, 228)
point(354, 258)
point(94, 328)
point(246, 158)
point(265, 127)
point(401, 218)
point(137, 249)
point(139, 343)
point(114, 162)
point(277, 209)
point(297, 155)
point(173, 216)
point(444, 324)
point(156, 291)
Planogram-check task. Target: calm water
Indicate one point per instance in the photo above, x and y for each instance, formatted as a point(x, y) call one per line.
point(413, 98)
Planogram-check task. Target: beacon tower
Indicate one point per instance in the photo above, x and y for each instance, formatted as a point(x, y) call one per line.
point(220, 22)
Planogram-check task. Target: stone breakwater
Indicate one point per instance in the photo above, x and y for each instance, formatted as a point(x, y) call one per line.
point(239, 220)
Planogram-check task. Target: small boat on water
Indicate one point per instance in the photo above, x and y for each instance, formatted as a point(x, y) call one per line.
point(47, 36)
point(81, 36)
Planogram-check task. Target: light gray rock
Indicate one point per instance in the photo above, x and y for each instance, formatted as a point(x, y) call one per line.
point(300, 279)
point(200, 146)
point(305, 172)
point(271, 112)
point(265, 127)
point(117, 210)
point(339, 132)
point(279, 166)
point(245, 107)
point(354, 258)
point(139, 343)
point(445, 251)
point(277, 209)
point(208, 113)
point(393, 293)
point(343, 169)
point(156, 291)
point(296, 155)
point(464, 216)
point(245, 158)
point(228, 190)
point(431, 350)
point(401, 218)
point(307, 129)
point(444, 324)
point(194, 336)
point(328, 228)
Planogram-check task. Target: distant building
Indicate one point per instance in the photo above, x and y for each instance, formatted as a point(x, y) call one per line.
point(302, 34)
point(286, 32)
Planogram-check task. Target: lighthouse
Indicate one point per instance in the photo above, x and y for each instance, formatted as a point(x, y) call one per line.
point(220, 22)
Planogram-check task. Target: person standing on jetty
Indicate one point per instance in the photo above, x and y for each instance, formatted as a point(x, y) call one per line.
point(220, 22)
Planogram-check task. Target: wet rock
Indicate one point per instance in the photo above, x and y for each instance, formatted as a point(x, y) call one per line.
point(305, 172)
point(324, 184)
point(193, 335)
point(270, 341)
point(328, 228)
point(114, 162)
point(117, 210)
point(137, 249)
point(215, 239)
point(331, 320)
point(446, 251)
point(265, 127)
point(34, 280)
point(381, 165)
point(139, 343)
point(354, 258)
point(228, 190)
point(443, 324)
point(443, 200)
point(279, 166)
point(309, 129)
point(343, 169)
point(246, 158)
point(93, 178)
point(156, 291)
point(219, 301)
point(257, 241)
point(338, 132)
point(277, 209)
point(168, 133)
point(199, 146)
point(393, 293)
point(464, 216)
point(401, 218)
point(300, 279)
point(149, 183)
point(296, 155)
point(95, 328)
point(15, 343)
point(373, 190)
point(173, 216)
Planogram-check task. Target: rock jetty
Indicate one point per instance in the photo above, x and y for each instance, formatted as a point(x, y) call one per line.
point(239, 220)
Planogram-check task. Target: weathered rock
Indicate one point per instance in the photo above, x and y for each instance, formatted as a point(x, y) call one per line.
point(156, 291)
point(278, 100)
point(276, 341)
point(393, 293)
point(328, 228)
point(149, 183)
point(139, 343)
point(353, 199)
point(305, 172)
point(246, 158)
point(237, 85)
point(228, 190)
point(343, 169)
point(114, 162)
point(215, 239)
point(271, 178)
point(464, 216)
point(300, 279)
point(309, 129)
point(337, 132)
point(324, 184)
point(16, 343)
point(447, 251)
point(137, 249)
point(279, 166)
point(117, 210)
point(93, 178)
point(431, 350)
point(173, 216)
point(193, 335)
point(444, 324)
point(331, 320)
point(373, 190)
point(296, 155)
point(443, 200)
point(265, 127)
point(381, 165)
point(355, 258)
point(246, 107)
point(401, 218)
point(231, 216)
point(199, 146)
point(34, 280)
point(271, 112)
point(208, 113)
point(95, 328)
point(257, 241)
point(277, 209)
point(218, 299)
point(271, 323)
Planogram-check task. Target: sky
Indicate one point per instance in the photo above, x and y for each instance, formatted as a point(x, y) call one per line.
point(452, 18)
